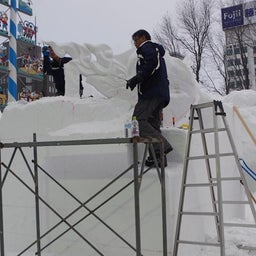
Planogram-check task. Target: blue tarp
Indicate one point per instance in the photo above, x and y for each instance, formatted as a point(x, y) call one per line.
point(247, 169)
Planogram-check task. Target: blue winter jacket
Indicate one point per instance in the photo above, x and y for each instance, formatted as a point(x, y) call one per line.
point(152, 73)
point(56, 69)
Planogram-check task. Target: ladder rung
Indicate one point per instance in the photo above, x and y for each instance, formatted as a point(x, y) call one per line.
point(200, 213)
point(239, 225)
point(234, 202)
point(227, 178)
point(209, 156)
point(208, 130)
point(198, 243)
point(203, 105)
point(200, 184)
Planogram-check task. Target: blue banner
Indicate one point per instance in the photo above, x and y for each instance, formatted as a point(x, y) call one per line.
point(25, 7)
point(232, 16)
point(247, 169)
point(250, 13)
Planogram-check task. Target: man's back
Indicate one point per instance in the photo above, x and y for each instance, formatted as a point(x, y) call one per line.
point(152, 69)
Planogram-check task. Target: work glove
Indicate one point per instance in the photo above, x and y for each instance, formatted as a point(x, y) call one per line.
point(46, 51)
point(131, 83)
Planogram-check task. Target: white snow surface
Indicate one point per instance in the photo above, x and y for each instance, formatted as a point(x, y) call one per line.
point(101, 113)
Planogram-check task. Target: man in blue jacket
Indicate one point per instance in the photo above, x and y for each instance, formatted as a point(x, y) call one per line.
point(153, 90)
point(55, 67)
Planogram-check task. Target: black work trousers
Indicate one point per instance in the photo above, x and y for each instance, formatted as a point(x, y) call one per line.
point(148, 113)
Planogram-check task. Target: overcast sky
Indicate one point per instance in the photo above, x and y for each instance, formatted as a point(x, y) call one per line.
point(98, 21)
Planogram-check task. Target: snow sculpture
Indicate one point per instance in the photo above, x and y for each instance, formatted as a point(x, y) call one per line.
point(100, 67)
point(107, 73)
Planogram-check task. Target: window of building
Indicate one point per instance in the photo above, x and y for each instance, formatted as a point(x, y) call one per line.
point(246, 60)
point(239, 84)
point(229, 51)
point(230, 62)
point(237, 50)
point(239, 72)
point(52, 90)
point(3, 81)
point(231, 73)
point(237, 62)
point(231, 84)
point(50, 78)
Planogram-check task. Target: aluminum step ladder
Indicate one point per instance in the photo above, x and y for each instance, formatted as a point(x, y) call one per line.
point(212, 156)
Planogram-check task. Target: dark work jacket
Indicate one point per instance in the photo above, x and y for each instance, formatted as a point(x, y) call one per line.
point(152, 73)
point(56, 69)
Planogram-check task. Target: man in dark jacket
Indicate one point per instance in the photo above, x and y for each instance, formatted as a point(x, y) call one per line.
point(153, 90)
point(55, 67)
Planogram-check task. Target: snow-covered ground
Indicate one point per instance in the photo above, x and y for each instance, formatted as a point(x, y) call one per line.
point(85, 169)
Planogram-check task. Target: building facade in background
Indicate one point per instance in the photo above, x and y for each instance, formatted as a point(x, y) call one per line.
point(20, 55)
point(239, 25)
point(31, 82)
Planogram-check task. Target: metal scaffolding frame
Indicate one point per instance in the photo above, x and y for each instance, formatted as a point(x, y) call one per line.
point(138, 171)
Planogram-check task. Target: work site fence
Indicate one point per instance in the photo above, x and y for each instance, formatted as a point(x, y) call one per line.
point(29, 154)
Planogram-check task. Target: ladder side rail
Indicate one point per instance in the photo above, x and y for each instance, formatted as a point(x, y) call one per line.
point(183, 182)
point(219, 186)
point(248, 193)
point(2, 251)
point(209, 173)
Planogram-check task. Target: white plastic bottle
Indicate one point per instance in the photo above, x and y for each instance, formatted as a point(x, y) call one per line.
point(128, 128)
point(135, 127)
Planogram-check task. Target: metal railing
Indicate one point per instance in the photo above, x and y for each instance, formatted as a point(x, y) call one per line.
point(138, 171)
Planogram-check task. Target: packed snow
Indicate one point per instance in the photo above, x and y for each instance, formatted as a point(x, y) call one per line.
point(101, 113)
